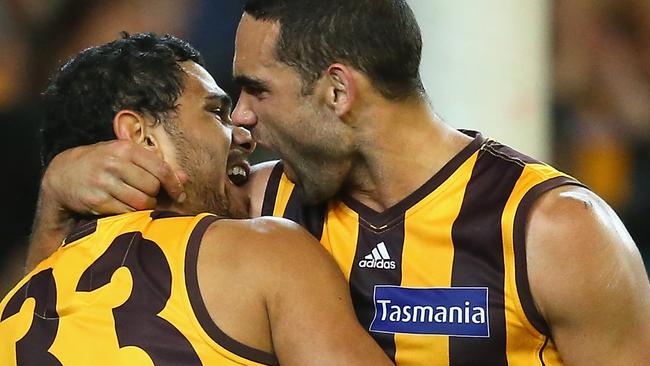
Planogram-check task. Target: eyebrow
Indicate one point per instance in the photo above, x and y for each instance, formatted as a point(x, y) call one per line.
point(223, 99)
point(248, 82)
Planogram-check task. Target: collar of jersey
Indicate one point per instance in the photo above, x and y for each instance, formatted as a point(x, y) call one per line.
point(380, 221)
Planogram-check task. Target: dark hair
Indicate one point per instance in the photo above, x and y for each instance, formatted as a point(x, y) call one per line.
point(139, 72)
point(378, 37)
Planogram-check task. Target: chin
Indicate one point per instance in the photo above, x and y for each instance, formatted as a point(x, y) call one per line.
point(236, 209)
point(236, 204)
point(313, 195)
point(316, 184)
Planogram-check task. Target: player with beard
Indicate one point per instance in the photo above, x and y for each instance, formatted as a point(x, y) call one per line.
point(174, 285)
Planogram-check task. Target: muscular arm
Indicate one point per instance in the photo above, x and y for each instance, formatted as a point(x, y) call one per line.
point(109, 178)
point(286, 294)
point(105, 178)
point(588, 280)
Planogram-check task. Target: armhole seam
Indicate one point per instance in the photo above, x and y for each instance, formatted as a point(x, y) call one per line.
point(198, 306)
point(519, 239)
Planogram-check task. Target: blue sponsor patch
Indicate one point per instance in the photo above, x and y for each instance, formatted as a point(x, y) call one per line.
point(452, 311)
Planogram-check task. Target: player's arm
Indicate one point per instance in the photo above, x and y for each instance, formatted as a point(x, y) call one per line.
point(588, 280)
point(283, 273)
point(310, 309)
point(105, 178)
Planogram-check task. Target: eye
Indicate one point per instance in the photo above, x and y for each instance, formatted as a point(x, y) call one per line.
point(222, 115)
point(256, 92)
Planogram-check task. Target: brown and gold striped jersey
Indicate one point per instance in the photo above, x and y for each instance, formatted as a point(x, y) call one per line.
point(121, 290)
point(440, 278)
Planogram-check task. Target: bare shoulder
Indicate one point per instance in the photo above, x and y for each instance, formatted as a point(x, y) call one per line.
point(258, 180)
point(573, 224)
point(281, 271)
point(267, 242)
point(249, 260)
point(586, 274)
point(259, 231)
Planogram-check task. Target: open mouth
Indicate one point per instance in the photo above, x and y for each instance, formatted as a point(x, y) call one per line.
point(238, 172)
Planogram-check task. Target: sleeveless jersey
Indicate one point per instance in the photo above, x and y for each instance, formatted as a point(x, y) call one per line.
point(440, 278)
point(121, 290)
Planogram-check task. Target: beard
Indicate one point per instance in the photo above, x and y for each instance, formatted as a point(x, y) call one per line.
point(203, 175)
point(201, 198)
point(316, 182)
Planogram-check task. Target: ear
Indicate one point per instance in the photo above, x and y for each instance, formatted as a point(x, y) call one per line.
point(341, 88)
point(130, 125)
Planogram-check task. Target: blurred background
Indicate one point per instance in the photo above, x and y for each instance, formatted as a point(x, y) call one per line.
point(565, 81)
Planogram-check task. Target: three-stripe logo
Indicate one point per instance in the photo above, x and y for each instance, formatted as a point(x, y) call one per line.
point(378, 258)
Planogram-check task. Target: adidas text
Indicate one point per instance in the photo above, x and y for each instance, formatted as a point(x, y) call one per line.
point(381, 264)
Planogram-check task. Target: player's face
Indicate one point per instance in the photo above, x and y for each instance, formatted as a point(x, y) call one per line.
point(202, 146)
point(301, 129)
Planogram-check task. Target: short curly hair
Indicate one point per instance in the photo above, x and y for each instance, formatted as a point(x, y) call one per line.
point(140, 72)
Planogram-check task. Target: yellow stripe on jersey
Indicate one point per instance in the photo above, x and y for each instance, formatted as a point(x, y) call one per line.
point(438, 248)
point(284, 194)
point(520, 350)
point(341, 225)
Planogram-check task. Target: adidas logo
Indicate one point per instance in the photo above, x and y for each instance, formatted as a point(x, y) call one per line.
point(378, 258)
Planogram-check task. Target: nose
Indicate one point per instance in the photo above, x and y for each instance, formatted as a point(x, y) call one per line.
point(242, 139)
point(243, 115)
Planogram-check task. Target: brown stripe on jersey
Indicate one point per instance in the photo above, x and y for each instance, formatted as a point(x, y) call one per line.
point(82, 229)
point(519, 238)
point(201, 312)
point(311, 218)
point(363, 280)
point(541, 352)
point(509, 153)
point(271, 190)
point(162, 214)
point(478, 254)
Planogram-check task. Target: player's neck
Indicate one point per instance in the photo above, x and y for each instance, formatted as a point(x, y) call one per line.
point(406, 145)
point(165, 203)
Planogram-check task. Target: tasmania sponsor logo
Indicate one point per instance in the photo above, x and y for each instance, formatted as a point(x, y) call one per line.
point(452, 311)
point(378, 258)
